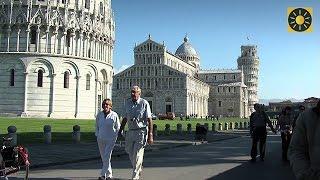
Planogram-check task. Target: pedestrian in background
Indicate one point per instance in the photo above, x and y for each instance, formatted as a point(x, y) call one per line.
point(304, 149)
point(107, 127)
point(301, 109)
point(285, 125)
point(258, 121)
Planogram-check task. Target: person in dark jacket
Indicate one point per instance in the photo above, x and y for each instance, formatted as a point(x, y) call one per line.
point(285, 124)
point(258, 121)
point(304, 147)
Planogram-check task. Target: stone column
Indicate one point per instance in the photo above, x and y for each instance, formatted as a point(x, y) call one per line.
point(77, 96)
point(55, 34)
point(28, 37)
point(52, 95)
point(91, 47)
point(96, 96)
point(71, 52)
point(80, 44)
point(63, 42)
point(85, 46)
point(47, 39)
point(38, 39)
point(18, 39)
point(8, 38)
point(25, 104)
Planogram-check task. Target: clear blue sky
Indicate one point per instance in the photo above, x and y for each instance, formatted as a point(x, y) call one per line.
point(289, 62)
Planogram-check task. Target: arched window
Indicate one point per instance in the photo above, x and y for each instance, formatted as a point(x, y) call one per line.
point(87, 4)
point(101, 8)
point(68, 39)
point(33, 36)
point(11, 77)
point(40, 78)
point(66, 79)
point(88, 82)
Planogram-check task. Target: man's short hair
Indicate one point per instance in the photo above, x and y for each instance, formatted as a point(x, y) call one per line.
point(256, 105)
point(136, 89)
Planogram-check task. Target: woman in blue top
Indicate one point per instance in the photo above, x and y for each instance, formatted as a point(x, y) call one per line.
point(107, 127)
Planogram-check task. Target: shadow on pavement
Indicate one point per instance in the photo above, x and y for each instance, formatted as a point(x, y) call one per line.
point(271, 168)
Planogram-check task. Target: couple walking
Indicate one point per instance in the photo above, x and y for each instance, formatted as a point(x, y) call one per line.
point(108, 128)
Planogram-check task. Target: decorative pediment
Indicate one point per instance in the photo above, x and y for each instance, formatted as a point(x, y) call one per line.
point(148, 45)
point(87, 23)
point(38, 17)
point(56, 18)
point(20, 15)
point(73, 21)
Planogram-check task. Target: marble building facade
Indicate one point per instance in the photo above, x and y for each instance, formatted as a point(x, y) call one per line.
point(175, 83)
point(55, 57)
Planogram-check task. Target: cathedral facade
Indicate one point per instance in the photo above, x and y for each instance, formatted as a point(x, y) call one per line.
point(55, 57)
point(175, 83)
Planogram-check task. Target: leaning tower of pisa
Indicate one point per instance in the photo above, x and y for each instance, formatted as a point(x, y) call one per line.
point(249, 62)
point(55, 57)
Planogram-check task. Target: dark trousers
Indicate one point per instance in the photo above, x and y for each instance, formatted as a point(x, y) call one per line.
point(286, 137)
point(259, 134)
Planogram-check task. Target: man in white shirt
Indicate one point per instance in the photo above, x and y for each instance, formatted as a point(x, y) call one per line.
point(107, 128)
point(138, 117)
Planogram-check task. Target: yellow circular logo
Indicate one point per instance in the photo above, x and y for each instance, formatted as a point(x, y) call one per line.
point(299, 19)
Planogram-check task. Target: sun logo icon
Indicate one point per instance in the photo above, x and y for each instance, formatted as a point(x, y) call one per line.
point(300, 19)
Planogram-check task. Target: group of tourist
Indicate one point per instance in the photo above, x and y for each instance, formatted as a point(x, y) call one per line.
point(299, 135)
point(138, 117)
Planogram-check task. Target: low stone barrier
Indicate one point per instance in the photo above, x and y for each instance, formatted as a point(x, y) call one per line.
point(47, 134)
point(179, 128)
point(155, 130)
point(76, 134)
point(12, 133)
point(231, 126)
point(189, 128)
point(236, 125)
point(206, 125)
point(167, 129)
point(226, 126)
point(245, 125)
point(214, 127)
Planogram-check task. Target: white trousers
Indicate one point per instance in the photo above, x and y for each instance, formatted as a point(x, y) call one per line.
point(105, 148)
point(135, 143)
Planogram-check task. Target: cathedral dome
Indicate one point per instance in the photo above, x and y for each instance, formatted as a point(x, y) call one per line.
point(186, 49)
